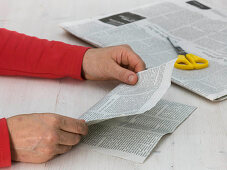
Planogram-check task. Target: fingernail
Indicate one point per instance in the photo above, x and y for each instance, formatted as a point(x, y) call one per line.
point(131, 78)
point(81, 128)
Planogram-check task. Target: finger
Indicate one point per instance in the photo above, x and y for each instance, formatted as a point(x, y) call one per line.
point(122, 74)
point(73, 125)
point(67, 138)
point(130, 58)
point(60, 149)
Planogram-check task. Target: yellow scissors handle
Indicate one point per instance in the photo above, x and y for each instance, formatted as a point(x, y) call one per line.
point(197, 62)
point(190, 62)
point(183, 63)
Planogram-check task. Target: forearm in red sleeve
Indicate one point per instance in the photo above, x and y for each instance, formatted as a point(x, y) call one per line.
point(5, 155)
point(22, 55)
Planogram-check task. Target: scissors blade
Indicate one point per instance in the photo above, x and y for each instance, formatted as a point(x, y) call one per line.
point(177, 48)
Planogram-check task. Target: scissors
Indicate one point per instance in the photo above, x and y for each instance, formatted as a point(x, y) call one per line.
point(188, 61)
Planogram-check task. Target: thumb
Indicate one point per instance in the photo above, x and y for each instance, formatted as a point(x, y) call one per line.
point(124, 75)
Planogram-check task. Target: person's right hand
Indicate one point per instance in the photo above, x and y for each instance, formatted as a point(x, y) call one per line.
point(38, 137)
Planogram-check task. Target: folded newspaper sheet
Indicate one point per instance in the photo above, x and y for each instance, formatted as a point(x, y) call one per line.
point(136, 123)
point(196, 27)
point(134, 137)
point(125, 100)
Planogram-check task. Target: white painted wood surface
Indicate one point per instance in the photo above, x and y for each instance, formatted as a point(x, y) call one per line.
point(199, 143)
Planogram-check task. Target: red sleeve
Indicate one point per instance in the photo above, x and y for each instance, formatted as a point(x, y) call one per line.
point(22, 55)
point(5, 155)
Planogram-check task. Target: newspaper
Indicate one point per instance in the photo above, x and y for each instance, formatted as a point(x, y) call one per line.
point(125, 100)
point(128, 122)
point(134, 137)
point(196, 27)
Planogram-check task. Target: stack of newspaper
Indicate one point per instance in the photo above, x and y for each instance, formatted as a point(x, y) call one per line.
point(197, 28)
point(130, 120)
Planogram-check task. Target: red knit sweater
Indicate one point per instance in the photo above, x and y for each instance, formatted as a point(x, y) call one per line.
point(22, 55)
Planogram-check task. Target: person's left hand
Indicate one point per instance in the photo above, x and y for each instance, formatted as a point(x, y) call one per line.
point(39, 137)
point(117, 62)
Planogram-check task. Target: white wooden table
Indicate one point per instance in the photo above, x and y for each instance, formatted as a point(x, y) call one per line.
point(199, 143)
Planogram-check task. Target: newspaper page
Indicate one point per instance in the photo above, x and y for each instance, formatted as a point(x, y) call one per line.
point(125, 100)
point(134, 137)
point(198, 28)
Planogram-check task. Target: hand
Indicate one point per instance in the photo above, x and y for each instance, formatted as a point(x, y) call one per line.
point(118, 62)
point(38, 137)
